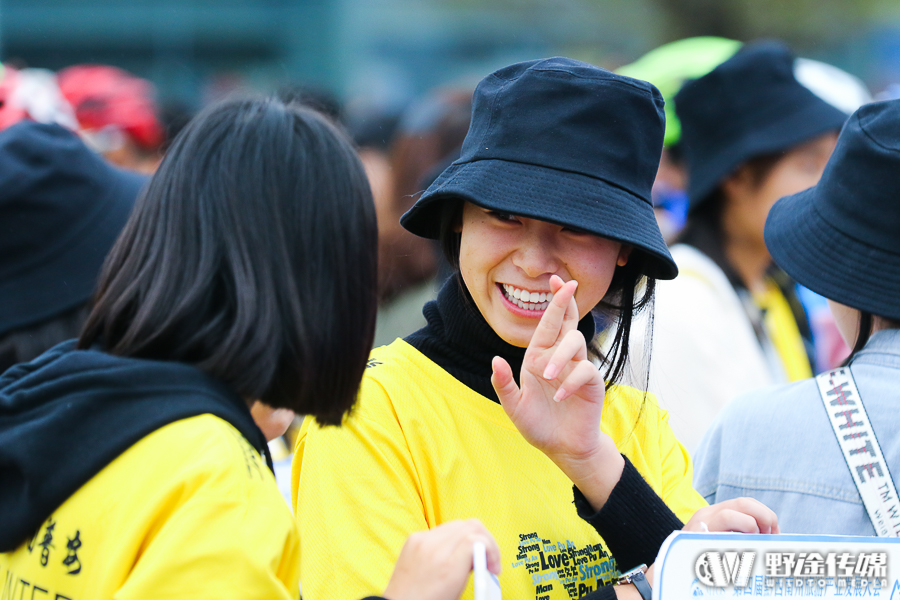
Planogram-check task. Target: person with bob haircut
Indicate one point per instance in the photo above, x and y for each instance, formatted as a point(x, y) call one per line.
point(840, 239)
point(731, 323)
point(495, 408)
point(130, 464)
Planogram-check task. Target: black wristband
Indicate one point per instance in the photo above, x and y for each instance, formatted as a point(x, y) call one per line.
point(634, 522)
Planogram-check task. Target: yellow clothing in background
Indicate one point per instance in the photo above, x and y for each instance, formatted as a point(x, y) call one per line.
point(190, 511)
point(781, 327)
point(421, 449)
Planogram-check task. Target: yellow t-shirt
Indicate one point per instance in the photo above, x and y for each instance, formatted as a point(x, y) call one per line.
point(189, 511)
point(421, 448)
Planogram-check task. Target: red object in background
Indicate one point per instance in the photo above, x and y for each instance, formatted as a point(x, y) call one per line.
point(105, 97)
point(10, 112)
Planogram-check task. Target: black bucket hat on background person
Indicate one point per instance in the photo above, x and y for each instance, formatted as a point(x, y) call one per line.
point(61, 209)
point(841, 238)
point(750, 105)
point(561, 141)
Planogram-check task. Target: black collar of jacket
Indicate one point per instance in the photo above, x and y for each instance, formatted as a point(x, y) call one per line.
point(69, 413)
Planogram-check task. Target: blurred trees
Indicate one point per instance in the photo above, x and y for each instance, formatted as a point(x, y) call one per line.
point(802, 22)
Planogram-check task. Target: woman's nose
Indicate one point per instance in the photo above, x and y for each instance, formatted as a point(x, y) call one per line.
point(537, 257)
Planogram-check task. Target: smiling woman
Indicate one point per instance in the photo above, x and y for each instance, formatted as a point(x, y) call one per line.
point(495, 408)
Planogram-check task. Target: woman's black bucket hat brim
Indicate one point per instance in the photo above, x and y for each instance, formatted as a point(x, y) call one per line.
point(830, 262)
point(68, 278)
point(840, 238)
point(538, 192)
point(562, 141)
point(751, 105)
point(804, 124)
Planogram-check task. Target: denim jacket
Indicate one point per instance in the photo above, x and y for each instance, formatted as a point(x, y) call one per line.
point(777, 445)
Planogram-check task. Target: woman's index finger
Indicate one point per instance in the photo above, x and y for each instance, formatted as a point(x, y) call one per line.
point(550, 326)
point(570, 321)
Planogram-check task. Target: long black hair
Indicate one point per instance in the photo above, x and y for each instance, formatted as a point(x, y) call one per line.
point(863, 333)
point(630, 291)
point(251, 255)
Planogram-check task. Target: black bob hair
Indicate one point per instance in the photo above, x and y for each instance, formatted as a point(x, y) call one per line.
point(630, 292)
point(252, 255)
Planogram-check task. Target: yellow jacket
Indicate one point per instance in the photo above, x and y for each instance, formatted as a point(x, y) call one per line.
point(421, 449)
point(190, 511)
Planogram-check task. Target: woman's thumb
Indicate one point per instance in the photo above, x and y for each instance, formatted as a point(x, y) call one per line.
point(504, 384)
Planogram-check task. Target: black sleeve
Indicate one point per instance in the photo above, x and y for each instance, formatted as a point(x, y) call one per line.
point(607, 592)
point(634, 522)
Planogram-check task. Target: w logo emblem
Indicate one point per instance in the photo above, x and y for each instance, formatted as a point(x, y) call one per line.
point(719, 569)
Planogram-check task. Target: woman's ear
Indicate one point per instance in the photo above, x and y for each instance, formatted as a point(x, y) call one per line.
point(624, 254)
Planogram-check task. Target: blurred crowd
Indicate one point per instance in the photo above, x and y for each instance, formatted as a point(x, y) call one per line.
point(117, 115)
point(77, 147)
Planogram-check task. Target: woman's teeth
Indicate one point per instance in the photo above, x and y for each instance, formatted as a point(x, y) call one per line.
point(527, 300)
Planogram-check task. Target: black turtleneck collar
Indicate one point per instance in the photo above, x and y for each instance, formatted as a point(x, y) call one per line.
point(460, 341)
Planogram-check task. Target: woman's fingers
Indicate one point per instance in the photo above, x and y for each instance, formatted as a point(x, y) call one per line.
point(551, 324)
point(745, 515)
point(435, 564)
point(556, 282)
point(583, 374)
point(475, 531)
point(504, 384)
point(494, 564)
point(765, 517)
point(572, 347)
point(570, 319)
point(732, 520)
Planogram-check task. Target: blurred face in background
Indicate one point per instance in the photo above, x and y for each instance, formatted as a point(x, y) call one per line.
point(750, 195)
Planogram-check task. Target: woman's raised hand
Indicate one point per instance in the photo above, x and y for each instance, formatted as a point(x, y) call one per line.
point(435, 564)
point(558, 407)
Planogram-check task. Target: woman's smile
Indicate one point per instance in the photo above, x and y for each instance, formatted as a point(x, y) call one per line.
point(523, 302)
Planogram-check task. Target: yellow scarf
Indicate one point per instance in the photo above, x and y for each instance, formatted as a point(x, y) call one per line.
point(782, 330)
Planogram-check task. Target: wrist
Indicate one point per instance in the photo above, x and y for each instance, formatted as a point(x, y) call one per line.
point(627, 592)
point(595, 474)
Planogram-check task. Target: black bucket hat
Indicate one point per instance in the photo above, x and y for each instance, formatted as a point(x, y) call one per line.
point(841, 238)
point(61, 209)
point(750, 105)
point(561, 141)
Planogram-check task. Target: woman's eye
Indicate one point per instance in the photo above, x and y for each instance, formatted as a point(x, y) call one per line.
point(573, 231)
point(502, 216)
